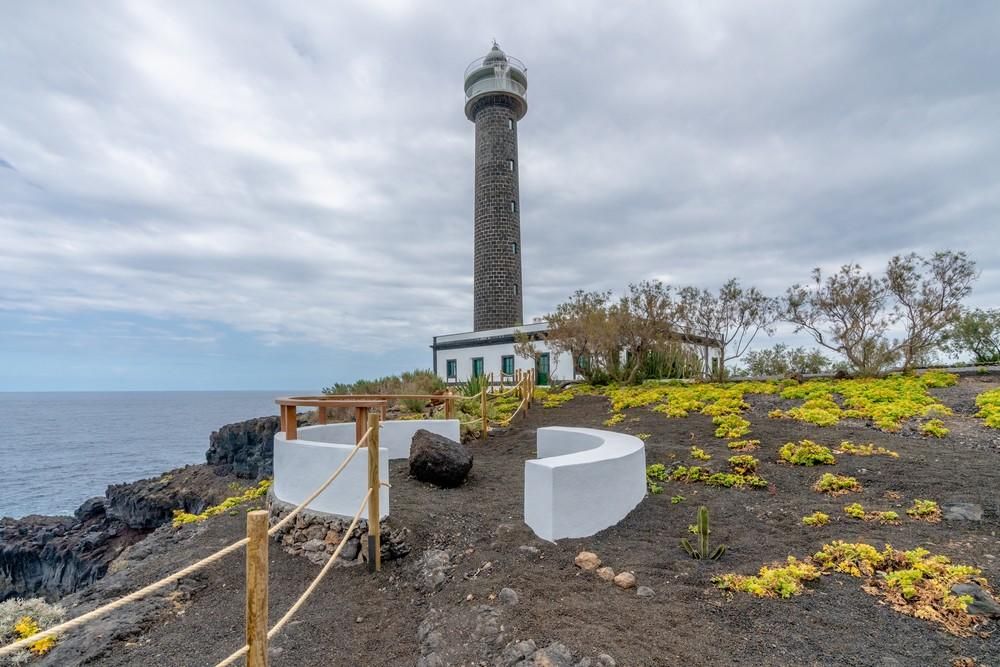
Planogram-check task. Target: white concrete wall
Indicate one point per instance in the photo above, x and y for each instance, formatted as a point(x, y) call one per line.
point(396, 436)
point(584, 481)
point(301, 465)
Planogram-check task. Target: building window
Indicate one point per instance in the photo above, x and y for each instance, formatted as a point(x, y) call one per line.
point(477, 367)
point(451, 369)
point(510, 165)
point(510, 123)
point(507, 365)
point(513, 207)
point(513, 248)
point(515, 289)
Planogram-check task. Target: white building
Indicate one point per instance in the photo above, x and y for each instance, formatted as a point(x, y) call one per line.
point(458, 357)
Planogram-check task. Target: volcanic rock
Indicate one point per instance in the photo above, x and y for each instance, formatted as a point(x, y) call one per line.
point(439, 460)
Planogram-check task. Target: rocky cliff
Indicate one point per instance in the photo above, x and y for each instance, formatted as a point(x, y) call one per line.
point(52, 556)
point(246, 448)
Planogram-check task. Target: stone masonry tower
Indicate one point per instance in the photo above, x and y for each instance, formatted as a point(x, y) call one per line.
point(495, 100)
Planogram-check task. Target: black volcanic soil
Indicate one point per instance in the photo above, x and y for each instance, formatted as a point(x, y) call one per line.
point(360, 619)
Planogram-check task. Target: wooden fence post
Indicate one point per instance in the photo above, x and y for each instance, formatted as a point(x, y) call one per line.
point(360, 423)
point(485, 421)
point(449, 406)
point(321, 415)
point(291, 422)
point(256, 599)
point(375, 485)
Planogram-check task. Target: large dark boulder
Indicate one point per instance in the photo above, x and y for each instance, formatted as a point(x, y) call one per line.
point(439, 460)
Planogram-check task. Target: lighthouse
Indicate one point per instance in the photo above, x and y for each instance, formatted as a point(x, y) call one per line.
point(496, 87)
point(496, 100)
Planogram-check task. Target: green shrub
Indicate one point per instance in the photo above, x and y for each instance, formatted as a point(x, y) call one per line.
point(700, 454)
point(655, 473)
point(743, 464)
point(836, 485)
point(744, 445)
point(252, 493)
point(855, 511)
point(848, 447)
point(730, 426)
point(925, 510)
point(806, 453)
point(988, 403)
point(934, 427)
point(22, 618)
point(816, 519)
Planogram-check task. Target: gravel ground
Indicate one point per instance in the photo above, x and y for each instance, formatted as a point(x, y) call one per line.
point(360, 619)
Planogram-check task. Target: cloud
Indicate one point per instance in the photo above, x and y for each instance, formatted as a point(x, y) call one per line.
point(304, 174)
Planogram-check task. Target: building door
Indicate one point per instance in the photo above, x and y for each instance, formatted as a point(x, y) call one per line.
point(542, 368)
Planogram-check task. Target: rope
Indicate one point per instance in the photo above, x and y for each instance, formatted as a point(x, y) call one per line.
point(472, 421)
point(507, 421)
point(190, 569)
point(309, 590)
point(121, 602)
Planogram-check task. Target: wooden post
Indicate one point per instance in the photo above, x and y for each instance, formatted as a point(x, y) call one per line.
point(291, 423)
point(256, 609)
point(374, 483)
point(321, 415)
point(360, 423)
point(449, 406)
point(484, 423)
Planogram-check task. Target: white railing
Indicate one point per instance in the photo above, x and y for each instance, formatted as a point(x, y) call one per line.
point(494, 83)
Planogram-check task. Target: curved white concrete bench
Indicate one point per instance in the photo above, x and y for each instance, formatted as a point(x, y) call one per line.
point(583, 481)
point(301, 465)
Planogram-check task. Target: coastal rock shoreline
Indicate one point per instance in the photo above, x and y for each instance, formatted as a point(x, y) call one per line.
point(53, 556)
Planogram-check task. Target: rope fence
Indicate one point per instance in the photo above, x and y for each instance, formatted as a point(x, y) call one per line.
point(103, 610)
point(256, 647)
point(273, 632)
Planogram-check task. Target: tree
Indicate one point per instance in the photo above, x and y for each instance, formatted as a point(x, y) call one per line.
point(620, 340)
point(929, 293)
point(784, 360)
point(977, 333)
point(582, 327)
point(852, 312)
point(734, 317)
point(851, 307)
point(524, 347)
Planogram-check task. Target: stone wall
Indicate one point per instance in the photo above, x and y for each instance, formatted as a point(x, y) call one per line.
point(315, 535)
point(497, 281)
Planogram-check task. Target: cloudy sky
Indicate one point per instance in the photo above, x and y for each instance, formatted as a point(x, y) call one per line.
point(279, 195)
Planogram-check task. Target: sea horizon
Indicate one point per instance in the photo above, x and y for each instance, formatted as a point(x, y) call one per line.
point(63, 447)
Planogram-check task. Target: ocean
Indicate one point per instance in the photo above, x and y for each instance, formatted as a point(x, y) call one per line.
point(58, 449)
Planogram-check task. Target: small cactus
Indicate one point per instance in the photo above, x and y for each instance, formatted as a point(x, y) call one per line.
point(702, 552)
